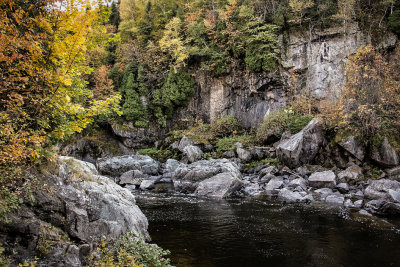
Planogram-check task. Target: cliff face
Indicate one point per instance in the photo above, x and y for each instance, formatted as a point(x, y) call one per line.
point(318, 59)
point(248, 96)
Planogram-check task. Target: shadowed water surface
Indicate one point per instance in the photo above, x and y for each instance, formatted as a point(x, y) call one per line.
point(252, 233)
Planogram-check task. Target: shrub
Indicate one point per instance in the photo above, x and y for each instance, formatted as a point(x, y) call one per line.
point(225, 126)
point(280, 121)
point(228, 143)
point(129, 250)
point(297, 123)
point(370, 100)
point(157, 153)
point(210, 133)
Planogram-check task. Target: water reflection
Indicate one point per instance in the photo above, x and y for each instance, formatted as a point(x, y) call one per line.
point(250, 233)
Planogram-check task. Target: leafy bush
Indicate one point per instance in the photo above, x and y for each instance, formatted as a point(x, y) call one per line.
point(280, 121)
point(228, 143)
point(225, 126)
point(211, 133)
point(129, 250)
point(157, 153)
point(370, 101)
point(8, 203)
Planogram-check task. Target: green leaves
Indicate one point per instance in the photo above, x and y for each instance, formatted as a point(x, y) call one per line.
point(262, 52)
point(176, 91)
point(134, 92)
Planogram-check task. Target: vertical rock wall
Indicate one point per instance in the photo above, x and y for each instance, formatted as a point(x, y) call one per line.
point(318, 58)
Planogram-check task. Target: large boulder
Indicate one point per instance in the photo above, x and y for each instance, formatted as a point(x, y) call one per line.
point(219, 186)
point(354, 147)
point(184, 142)
point(65, 211)
point(298, 183)
point(88, 150)
point(134, 137)
point(394, 173)
point(204, 169)
point(193, 153)
point(171, 165)
point(302, 147)
point(336, 199)
point(96, 205)
point(273, 186)
point(118, 165)
point(380, 188)
point(132, 177)
point(383, 207)
point(290, 196)
point(187, 177)
point(385, 155)
point(351, 175)
point(242, 153)
point(326, 179)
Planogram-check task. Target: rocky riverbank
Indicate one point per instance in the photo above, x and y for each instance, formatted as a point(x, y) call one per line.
point(223, 178)
point(63, 215)
point(296, 178)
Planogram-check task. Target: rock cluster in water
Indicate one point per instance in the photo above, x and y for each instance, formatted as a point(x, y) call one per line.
point(294, 181)
point(222, 178)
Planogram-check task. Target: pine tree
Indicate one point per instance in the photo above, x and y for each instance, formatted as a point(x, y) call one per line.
point(114, 18)
point(132, 108)
point(261, 46)
point(176, 92)
point(146, 26)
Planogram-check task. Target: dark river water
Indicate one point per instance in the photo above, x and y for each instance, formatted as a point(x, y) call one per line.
point(256, 233)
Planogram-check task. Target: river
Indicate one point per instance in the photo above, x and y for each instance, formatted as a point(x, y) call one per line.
point(258, 233)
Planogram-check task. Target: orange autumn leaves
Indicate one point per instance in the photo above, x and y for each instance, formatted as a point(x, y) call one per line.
point(369, 104)
point(43, 97)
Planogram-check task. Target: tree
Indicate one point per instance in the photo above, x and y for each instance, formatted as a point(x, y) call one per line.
point(134, 92)
point(370, 100)
point(172, 43)
point(146, 26)
point(114, 18)
point(299, 7)
point(132, 108)
point(103, 85)
point(394, 20)
point(261, 46)
point(44, 98)
point(176, 91)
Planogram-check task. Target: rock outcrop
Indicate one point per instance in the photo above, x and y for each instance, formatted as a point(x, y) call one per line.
point(116, 166)
point(219, 186)
point(385, 155)
point(214, 178)
point(134, 137)
point(71, 208)
point(302, 147)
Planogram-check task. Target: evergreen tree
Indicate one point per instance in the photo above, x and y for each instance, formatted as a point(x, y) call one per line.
point(261, 46)
point(114, 18)
point(134, 91)
point(394, 20)
point(146, 26)
point(176, 92)
point(132, 108)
